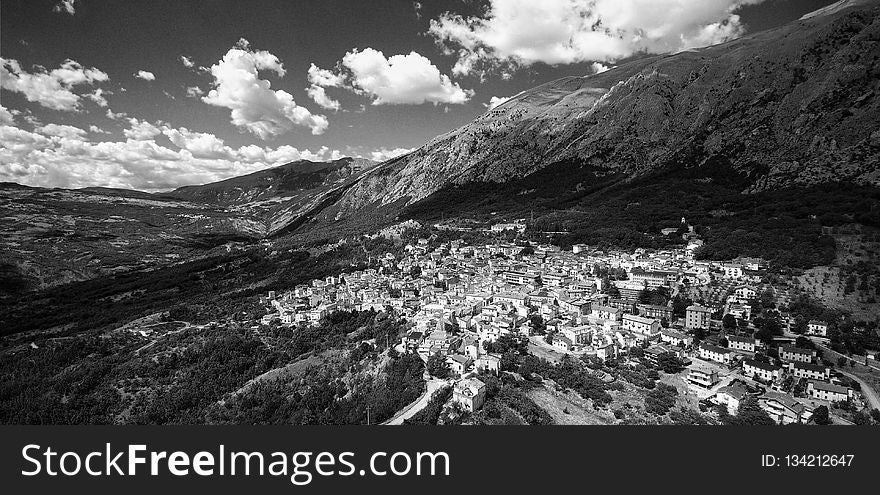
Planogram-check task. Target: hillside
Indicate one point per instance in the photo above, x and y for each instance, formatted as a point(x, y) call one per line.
point(795, 106)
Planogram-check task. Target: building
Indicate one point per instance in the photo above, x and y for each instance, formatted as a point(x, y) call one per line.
point(819, 328)
point(828, 391)
point(809, 371)
point(714, 353)
point(470, 393)
point(645, 326)
point(607, 313)
point(652, 279)
point(489, 363)
point(783, 408)
point(579, 336)
point(703, 377)
point(763, 371)
point(653, 311)
point(737, 343)
point(732, 270)
point(697, 316)
point(459, 364)
point(731, 396)
point(606, 351)
point(676, 338)
point(562, 343)
point(791, 353)
point(519, 278)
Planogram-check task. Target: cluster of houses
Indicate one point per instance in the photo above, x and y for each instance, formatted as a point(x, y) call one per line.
point(459, 298)
point(796, 364)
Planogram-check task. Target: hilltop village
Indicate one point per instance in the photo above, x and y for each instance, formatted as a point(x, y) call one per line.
point(726, 327)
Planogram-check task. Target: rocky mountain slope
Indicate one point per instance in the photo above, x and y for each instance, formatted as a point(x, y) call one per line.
point(796, 105)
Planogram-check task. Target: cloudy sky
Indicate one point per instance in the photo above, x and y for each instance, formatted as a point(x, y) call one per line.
point(158, 94)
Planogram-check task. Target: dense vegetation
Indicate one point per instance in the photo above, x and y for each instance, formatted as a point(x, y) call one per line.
point(117, 377)
point(782, 226)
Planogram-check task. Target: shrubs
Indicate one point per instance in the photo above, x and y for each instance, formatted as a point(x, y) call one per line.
point(660, 400)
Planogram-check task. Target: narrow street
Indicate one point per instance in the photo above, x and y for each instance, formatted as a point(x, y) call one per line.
point(409, 411)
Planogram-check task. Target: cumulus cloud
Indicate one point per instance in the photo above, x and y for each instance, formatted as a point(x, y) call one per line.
point(186, 61)
point(51, 89)
point(63, 131)
point(98, 97)
point(384, 154)
point(194, 92)
point(145, 75)
point(254, 106)
point(65, 6)
point(514, 33)
point(63, 157)
point(599, 67)
point(6, 117)
point(496, 100)
point(319, 96)
point(97, 130)
point(141, 130)
point(397, 80)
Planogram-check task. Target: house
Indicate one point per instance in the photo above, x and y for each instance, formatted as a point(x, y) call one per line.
point(732, 270)
point(519, 278)
point(783, 408)
point(563, 343)
point(489, 363)
point(714, 353)
point(819, 328)
point(828, 391)
point(470, 393)
point(703, 377)
point(653, 311)
point(607, 313)
point(809, 371)
point(676, 338)
point(792, 353)
point(578, 335)
point(606, 351)
point(737, 343)
point(645, 326)
point(697, 316)
point(459, 364)
point(731, 396)
point(764, 371)
point(412, 340)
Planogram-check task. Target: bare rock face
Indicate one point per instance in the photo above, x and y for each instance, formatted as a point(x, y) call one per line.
point(796, 105)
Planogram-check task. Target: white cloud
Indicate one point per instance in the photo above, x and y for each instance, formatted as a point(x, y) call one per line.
point(51, 89)
point(116, 116)
point(145, 75)
point(97, 130)
point(496, 100)
point(63, 131)
point(97, 96)
point(74, 161)
point(254, 106)
point(65, 6)
point(521, 32)
point(194, 91)
point(319, 95)
point(396, 80)
point(599, 67)
point(6, 117)
point(384, 154)
point(141, 130)
point(186, 61)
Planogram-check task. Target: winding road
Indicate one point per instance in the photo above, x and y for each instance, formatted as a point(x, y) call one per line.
point(409, 411)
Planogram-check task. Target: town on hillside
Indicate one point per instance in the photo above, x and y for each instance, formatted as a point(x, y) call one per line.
point(730, 328)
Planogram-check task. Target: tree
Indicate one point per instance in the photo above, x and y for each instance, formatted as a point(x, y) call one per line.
point(660, 400)
point(820, 416)
point(669, 363)
point(437, 366)
point(841, 361)
point(729, 322)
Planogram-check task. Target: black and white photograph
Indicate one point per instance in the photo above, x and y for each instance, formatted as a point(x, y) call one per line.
point(441, 213)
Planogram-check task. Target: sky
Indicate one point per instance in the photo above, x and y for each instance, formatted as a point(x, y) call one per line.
point(159, 94)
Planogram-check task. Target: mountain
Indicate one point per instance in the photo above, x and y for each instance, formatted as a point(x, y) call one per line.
point(795, 106)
